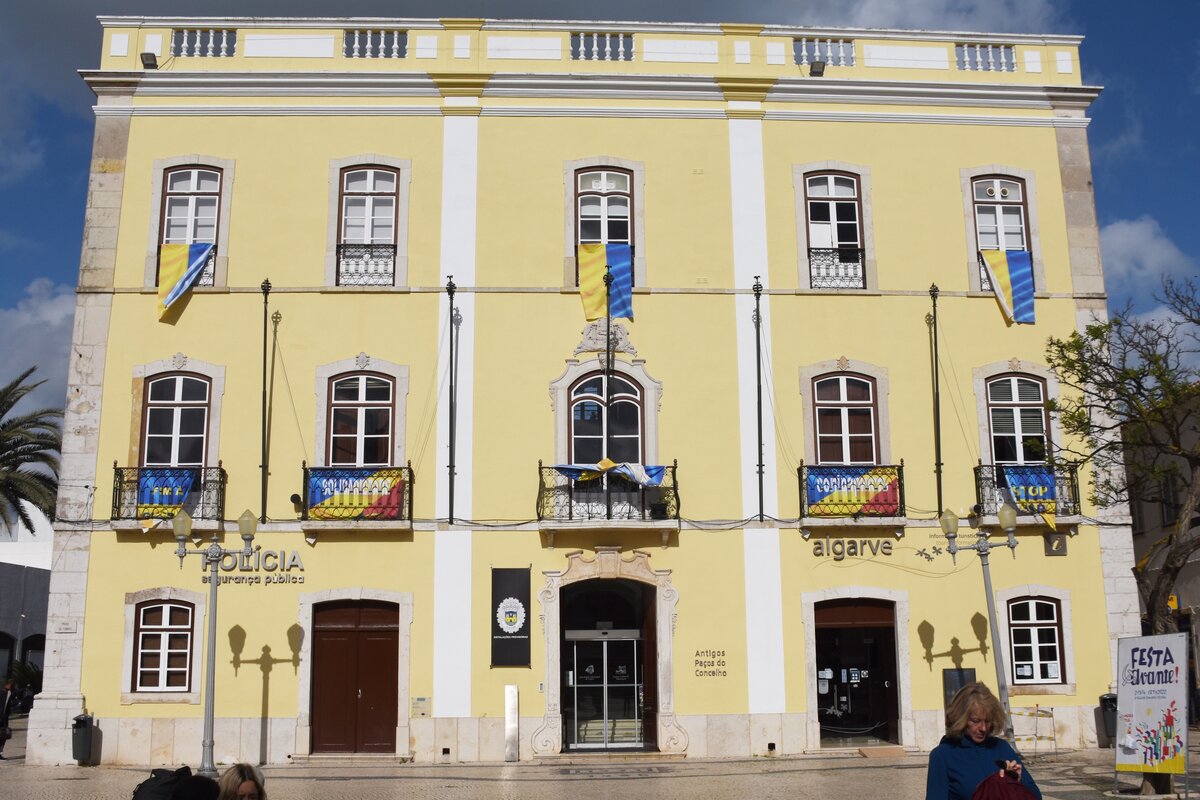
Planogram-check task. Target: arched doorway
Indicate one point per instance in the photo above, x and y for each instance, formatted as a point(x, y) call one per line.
point(857, 693)
point(609, 681)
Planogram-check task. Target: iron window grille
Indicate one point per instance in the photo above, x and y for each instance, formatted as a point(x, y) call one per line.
point(991, 486)
point(159, 492)
point(560, 498)
point(834, 490)
point(358, 493)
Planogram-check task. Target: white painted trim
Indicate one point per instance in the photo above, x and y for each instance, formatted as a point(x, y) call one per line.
point(882, 396)
point(319, 457)
point(681, 51)
point(224, 213)
point(154, 43)
point(526, 48)
point(766, 674)
point(216, 395)
point(866, 195)
point(1033, 61)
point(635, 370)
point(1062, 61)
point(982, 374)
point(904, 700)
point(118, 45)
point(462, 45)
point(199, 627)
point(741, 52)
point(304, 679)
point(452, 571)
point(776, 55)
point(426, 47)
point(1003, 596)
point(748, 203)
point(403, 167)
point(966, 176)
point(638, 193)
point(307, 45)
point(906, 56)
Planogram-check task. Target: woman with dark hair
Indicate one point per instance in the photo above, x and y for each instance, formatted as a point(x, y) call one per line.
point(969, 753)
point(242, 782)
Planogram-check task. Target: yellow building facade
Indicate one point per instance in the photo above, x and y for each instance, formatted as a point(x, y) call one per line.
point(765, 575)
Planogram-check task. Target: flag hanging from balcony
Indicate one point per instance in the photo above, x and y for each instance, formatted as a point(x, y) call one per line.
point(592, 260)
point(1011, 274)
point(356, 494)
point(1032, 489)
point(641, 474)
point(849, 491)
point(162, 491)
point(179, 267)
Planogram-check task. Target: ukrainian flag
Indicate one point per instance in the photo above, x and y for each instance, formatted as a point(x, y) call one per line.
point(179, 267)
point(593, 258)
point(1011, 273)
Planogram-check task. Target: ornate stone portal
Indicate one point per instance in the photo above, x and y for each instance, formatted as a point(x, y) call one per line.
point(608, 565)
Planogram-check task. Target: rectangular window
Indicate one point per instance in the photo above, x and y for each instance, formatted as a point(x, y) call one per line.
point(1035, 629)
point(367, 227)
point(163, 647)
point(191, 204)
point(835, 236)
point(1001, 217)
point(604, 207)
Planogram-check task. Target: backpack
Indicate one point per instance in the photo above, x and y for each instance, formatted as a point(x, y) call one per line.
point(1002, 787)
point(161, 783)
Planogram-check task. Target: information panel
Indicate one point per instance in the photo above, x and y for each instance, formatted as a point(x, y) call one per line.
point(1152, 704)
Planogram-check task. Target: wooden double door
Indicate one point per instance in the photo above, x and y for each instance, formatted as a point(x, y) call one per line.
point(354, 683)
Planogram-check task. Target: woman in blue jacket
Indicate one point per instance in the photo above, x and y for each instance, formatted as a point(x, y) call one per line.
point(969, 753)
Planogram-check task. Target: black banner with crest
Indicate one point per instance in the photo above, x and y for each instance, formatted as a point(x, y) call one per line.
point(510, 617)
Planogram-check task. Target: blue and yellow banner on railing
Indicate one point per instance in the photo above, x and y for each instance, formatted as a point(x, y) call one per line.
point(641, 474)
point(356, 494)
point(1032, 489)
point(162, 491)
point(849, 491)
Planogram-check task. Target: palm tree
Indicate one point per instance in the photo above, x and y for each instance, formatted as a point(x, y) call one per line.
point(29, 445)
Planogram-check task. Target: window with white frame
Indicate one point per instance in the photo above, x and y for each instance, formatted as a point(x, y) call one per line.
point(1036, 639)
point(367, 214)
point(604, 206)
point(1017, 419)
point(596, 434)
point(176, 421)
point(163, 635)
point(846, 419)
point(361, 420)
point(1001, 216)
point(835, 233)
point(191, 204)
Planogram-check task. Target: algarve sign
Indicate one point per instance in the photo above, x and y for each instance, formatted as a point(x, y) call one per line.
point(1152, 704)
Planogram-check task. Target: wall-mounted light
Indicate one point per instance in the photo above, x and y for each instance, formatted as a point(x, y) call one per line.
point(816, 69)
point(149, 61)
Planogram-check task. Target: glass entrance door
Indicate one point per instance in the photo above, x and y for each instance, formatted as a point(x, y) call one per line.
point(603, 689)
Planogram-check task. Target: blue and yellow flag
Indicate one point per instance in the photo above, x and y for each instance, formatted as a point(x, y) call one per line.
point(1011, 273)
point(593, 258)
point(1033, 490)
point(179, 267)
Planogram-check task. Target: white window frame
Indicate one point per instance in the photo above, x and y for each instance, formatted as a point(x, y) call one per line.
point(157, 206)
point(1016, 406)
point(362, 406)
point(844, 406)
point(360, 364)
point(980, 376)
point(143, 373)
point(1067, 645)
point(633, 371)
point(848, 366)
point(866, 222)
point(634, 398)
point(1035, 643)
point(403, 170)
point(177, 405)
point(967, 177)
point(637, 192)
point(164, 594)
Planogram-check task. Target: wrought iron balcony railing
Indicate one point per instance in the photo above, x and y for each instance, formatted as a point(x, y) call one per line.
point(840, 490)
point(358, 493)
point(159, 492)
point(366, 264)
point(1033, 488)
point(836, 268)
point(606, 497)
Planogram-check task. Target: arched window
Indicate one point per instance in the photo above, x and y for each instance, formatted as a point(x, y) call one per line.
point(361, 420)
point(367, 211)
point(594, 434)
point(835, 233)
point(175, 431)
point(163, 635)
point(846, 419)
point(1036, 634)
point(1017, 419)
point(190, 214)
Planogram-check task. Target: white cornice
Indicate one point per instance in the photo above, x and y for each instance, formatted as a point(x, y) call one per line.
point(632, 26)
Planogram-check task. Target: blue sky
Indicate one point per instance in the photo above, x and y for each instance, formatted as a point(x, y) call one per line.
point(1143, 136)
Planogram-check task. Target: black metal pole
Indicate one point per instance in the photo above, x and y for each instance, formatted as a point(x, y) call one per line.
point(266, 293)
point(758, 379)
point(937, 399)
point(450, 287)
point(608, 357)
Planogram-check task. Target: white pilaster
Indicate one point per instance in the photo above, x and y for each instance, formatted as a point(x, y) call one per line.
point(764, 621)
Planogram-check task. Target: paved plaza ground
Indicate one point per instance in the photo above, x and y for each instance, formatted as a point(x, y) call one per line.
point(1081, 775)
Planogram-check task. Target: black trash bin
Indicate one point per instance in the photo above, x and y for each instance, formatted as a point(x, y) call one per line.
point(81, 738)
point(1108, 710)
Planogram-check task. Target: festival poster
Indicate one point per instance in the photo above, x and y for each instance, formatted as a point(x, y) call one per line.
point(1152, 704)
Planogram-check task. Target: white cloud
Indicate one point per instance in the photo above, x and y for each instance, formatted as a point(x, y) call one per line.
point(1138, 254)
point(20, 154)
point(37, 332)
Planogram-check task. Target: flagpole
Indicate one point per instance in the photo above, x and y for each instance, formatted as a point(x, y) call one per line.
point(266, 292)
point(451, 399)
point(608, 357)
point(932, 319)
point(758, 378)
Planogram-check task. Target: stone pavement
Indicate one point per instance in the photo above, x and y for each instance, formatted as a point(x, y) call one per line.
point(1081, 775)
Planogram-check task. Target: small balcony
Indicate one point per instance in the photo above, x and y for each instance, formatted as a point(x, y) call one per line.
point(159, 492)
point(366, 264)
point(352, 497)
point(567, 500)
point(1036, 489)
point(841, 490)
point(837, 268)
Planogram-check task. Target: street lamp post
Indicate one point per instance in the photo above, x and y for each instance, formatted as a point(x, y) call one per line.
point(1008, 521)
point(181, 524)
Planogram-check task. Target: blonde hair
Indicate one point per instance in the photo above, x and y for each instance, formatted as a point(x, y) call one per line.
point(238, 774)
point(973, 698)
